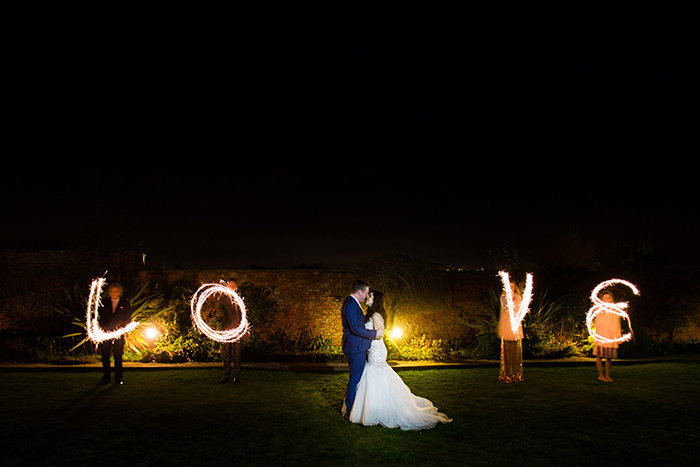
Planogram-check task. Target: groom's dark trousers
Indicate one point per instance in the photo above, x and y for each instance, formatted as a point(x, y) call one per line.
point(356, 342)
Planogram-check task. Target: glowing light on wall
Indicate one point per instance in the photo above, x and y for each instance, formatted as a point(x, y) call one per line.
point(618, 309)
point(516, 316)
point(198, 300)
point(94, 332)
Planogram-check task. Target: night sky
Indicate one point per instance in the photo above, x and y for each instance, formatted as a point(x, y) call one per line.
point(280, 133)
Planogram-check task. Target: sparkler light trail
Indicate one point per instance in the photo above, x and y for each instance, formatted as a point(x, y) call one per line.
point(618, 309)
point(516, 317)
point(198, 300)
point(94, 331)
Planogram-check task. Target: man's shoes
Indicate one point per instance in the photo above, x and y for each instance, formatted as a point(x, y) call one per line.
point(228, 380)
point(104, 381)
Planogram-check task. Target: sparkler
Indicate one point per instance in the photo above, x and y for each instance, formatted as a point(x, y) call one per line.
point(198, 300)
point(516, 317)
point(618, 309)
point(94, 331)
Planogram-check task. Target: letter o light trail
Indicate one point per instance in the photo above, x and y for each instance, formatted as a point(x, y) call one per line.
point(198, 300)
point(618, 309)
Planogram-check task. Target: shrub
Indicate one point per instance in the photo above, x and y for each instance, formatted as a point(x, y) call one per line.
point(419, 348)
point(487, 347)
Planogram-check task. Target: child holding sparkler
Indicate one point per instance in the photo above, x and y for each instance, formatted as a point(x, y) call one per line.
point(608, 326)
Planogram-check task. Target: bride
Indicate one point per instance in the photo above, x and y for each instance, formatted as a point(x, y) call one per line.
point(382, 397)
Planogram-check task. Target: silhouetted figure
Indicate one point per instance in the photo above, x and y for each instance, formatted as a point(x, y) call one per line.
point(511, 342)
point(232, 350)
point(114, 314)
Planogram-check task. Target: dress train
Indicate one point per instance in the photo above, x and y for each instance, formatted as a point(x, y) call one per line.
point(384, 399)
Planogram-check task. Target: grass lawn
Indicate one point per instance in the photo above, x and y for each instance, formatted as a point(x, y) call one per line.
point(559, 416)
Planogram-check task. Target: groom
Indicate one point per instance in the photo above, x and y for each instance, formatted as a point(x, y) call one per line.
point(356, 340)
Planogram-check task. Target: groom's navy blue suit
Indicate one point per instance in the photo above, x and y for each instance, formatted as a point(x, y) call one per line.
point(356, 341)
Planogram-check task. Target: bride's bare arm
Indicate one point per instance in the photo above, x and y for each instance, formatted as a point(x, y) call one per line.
point(378, 323)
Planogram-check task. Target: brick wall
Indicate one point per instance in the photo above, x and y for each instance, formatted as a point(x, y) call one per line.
point(53, 271)
point(310, 300)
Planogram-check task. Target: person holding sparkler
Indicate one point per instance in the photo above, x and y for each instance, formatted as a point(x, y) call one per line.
point(511, 340)
point(114, 315)
point(232, 350)
point(608, 326)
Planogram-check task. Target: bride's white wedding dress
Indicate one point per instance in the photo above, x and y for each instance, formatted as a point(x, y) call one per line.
point(384, 399)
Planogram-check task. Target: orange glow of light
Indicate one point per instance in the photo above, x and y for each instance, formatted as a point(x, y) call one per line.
point(94, 332)
point(516, 316)
point(198, 300)
point(618, 309)
point(395, 333)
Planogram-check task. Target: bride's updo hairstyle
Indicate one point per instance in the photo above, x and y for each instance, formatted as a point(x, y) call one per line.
point(377, 305)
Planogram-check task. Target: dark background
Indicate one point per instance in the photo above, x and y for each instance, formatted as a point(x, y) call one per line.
point(280, 133)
